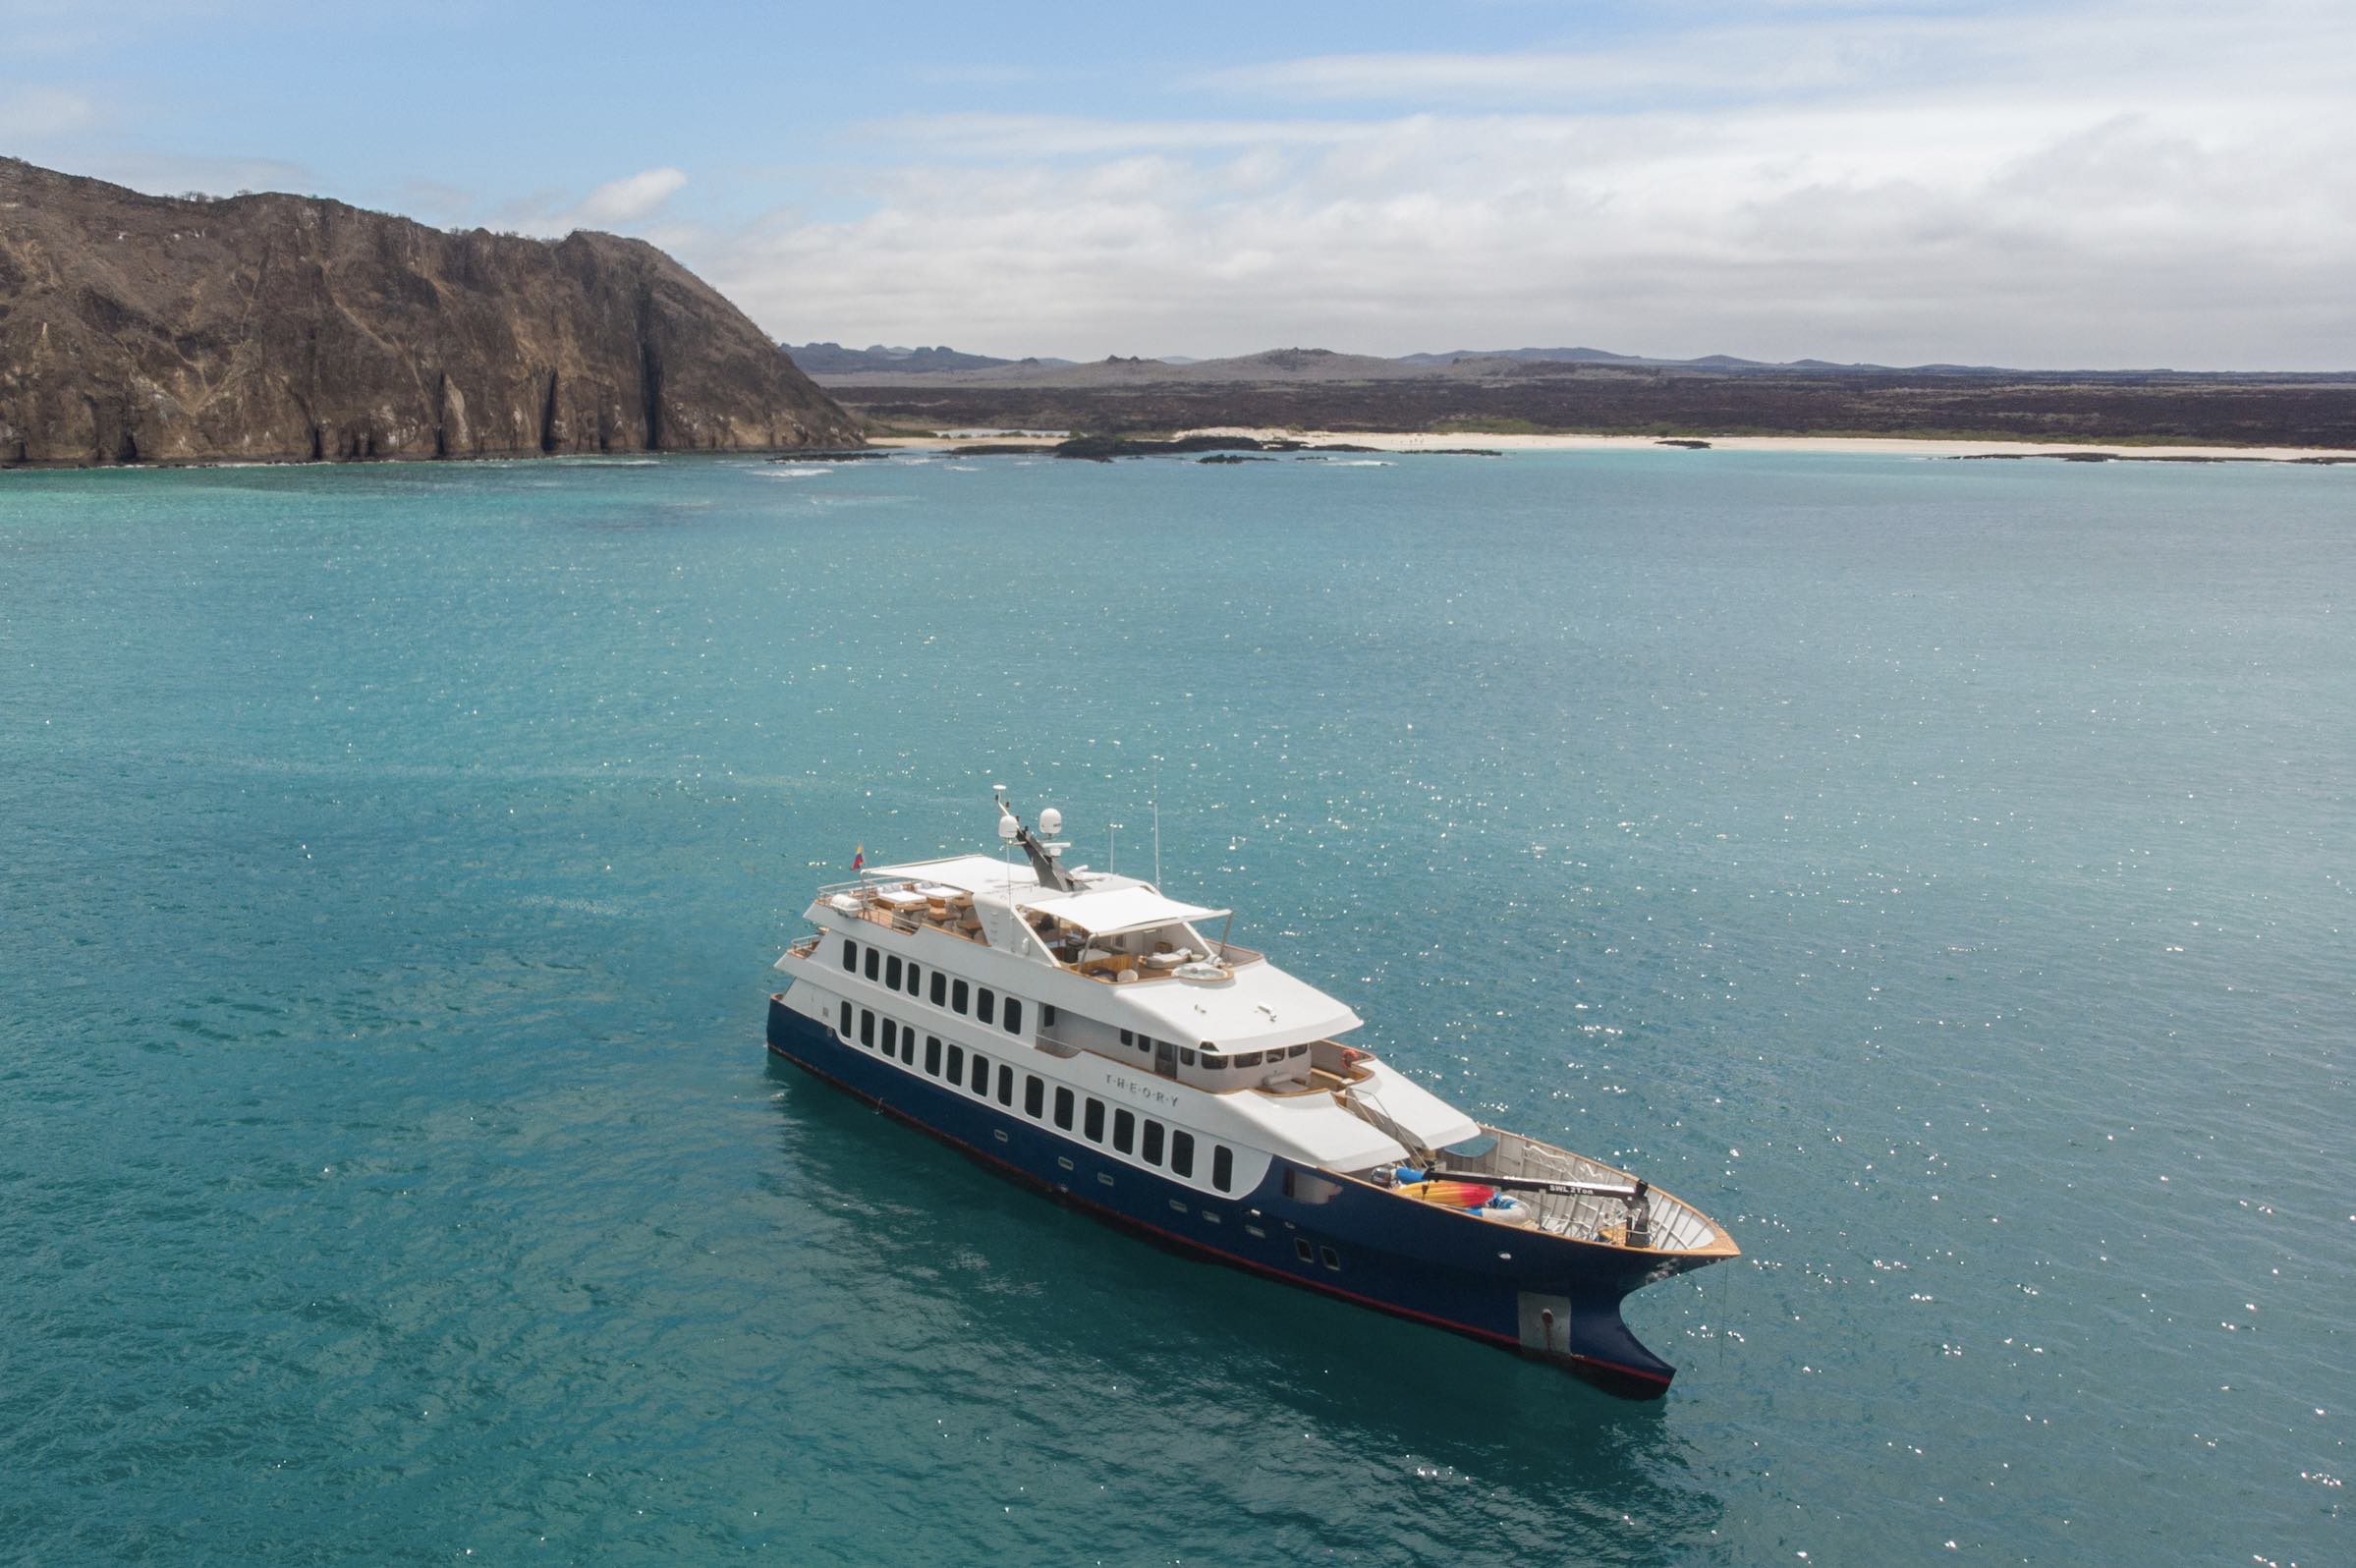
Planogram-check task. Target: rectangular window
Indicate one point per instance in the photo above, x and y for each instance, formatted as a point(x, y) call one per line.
point(1186, 1056)
point(940, 989)
point(1063, 1107)
point(1222, 1167)
point(845, 1030)
point(1124, 1036)
point(908, 1046)
point(986, 1005)
point(957, 1064)
point(1005, 1085)
point(1034, 1096)
point(867, 1027)
point(1182, 1153)
point(1152, 1148)
point(1046, 1015)
point(933, 1056)
point(981, 1074)
point(1124, 1131)
point(871, 963)
point(1091, 1121)
point(849, 955)
point(1014, 1015)
point(916, 980)
point(891, 972)
point(957, 996)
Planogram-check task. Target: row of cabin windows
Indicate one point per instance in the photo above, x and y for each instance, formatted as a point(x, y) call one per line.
point(889, 972)
point(1132, 1133)
point(1215, 1060)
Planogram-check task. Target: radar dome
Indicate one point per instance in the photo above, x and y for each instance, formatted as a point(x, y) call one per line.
point(1050, 821)
point(1008, 827)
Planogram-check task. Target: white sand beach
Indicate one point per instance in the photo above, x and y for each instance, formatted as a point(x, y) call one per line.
point(1889, 446)
point(1892, 446)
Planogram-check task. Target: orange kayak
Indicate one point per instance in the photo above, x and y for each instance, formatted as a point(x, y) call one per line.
point(1452, 1194)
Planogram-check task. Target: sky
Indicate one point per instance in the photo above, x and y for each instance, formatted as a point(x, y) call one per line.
point(2070, 184)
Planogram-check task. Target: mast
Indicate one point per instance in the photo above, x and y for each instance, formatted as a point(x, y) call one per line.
point(1042, 856)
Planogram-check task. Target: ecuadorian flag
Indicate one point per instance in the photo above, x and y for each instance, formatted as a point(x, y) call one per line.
point(859, 859)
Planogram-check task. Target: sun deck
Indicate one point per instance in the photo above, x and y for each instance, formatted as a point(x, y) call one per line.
point(1163, 947)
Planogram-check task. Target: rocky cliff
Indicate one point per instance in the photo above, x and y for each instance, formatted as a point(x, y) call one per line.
point(137, 328)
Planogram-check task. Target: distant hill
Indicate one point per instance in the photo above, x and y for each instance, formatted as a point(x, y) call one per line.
point(832, 358)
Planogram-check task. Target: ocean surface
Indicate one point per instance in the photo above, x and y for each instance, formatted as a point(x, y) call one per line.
point(1938, 871)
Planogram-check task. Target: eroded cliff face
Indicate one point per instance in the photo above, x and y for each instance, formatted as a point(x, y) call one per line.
point(137, 328)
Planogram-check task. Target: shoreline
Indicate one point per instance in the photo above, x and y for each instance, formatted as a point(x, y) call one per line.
point(1855, 445)
point(1408, 441)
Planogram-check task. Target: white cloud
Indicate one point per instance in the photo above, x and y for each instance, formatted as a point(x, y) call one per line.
point(630, 203)
point(629, 198)
point(2082, 191)
point(36, 114)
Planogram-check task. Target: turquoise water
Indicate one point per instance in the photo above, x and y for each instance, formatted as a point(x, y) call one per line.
point(1938, 871)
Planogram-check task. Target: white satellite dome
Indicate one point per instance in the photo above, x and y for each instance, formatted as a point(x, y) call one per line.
point(1050, 821)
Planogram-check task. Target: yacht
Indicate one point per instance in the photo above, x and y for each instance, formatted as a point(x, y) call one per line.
point(1089, 1036)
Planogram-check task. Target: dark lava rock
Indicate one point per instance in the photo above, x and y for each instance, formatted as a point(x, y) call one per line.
point(1235, 457)
point(1689, 445)
point(137, 328)
point(1104, 448)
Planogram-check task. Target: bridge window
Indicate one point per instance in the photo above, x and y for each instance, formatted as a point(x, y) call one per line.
point(849, 955)
point(1124, 1131)
point(1186, 1056)
point(1222, 1167)
point(1091, 1121)
point(1063, 1107)
point(1034, 1096)
point(1014, 1015)
point(1152, 1148)
point(933, 1056)
point(986, 1005)
point(1182, 1153)
point(1125, 1038)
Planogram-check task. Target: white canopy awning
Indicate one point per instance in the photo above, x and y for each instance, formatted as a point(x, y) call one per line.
point(1125, 909)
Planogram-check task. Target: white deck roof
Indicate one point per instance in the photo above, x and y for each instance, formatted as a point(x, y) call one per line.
point(1101, 912)
point(1104, 905)
point(1262, 1006)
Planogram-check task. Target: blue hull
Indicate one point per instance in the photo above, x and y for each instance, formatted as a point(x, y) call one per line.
point(1541, 1296)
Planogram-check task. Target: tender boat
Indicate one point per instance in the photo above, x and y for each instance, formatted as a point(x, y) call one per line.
point(1079, 1031)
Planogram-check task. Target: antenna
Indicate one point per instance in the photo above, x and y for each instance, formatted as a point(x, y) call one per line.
point(1157, 821)
point(1112, 848)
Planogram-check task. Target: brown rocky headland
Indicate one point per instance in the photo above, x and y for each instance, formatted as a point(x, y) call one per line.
point(284, 328)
